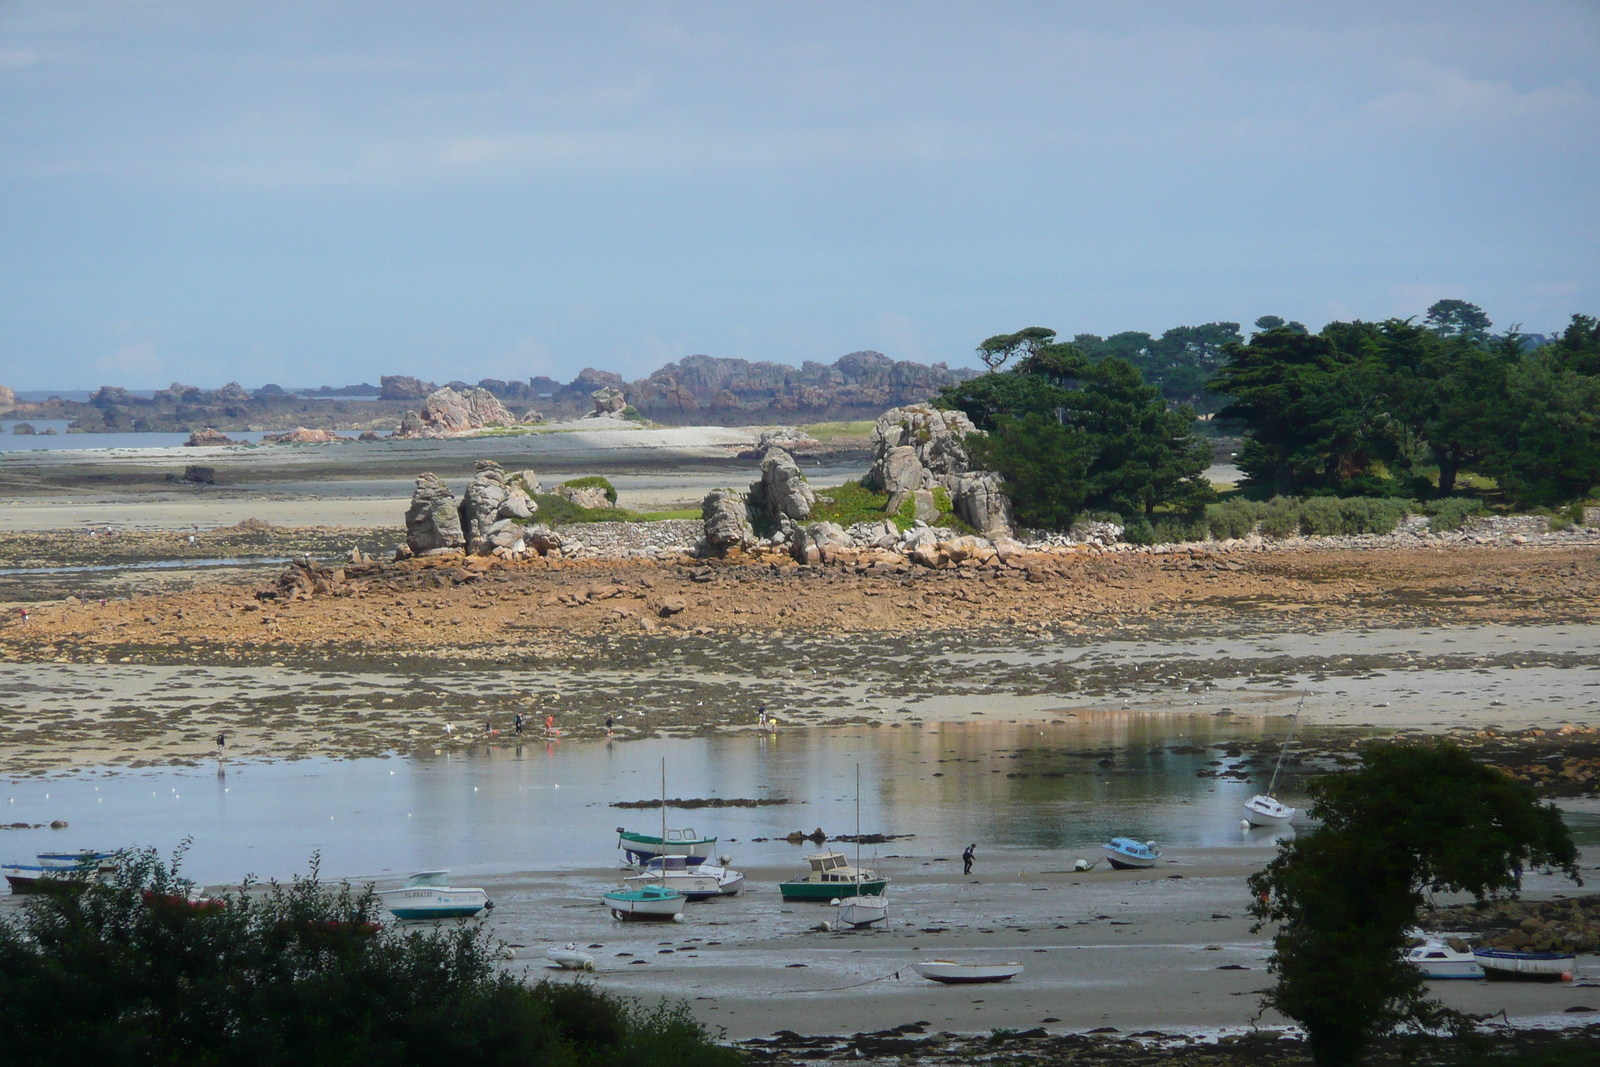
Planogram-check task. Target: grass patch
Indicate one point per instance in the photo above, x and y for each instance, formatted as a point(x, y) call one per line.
point(830, 431)
point(593, 481)
point(559, 511)
point(853, 503)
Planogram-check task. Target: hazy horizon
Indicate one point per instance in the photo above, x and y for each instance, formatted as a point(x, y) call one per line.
point(288, 193)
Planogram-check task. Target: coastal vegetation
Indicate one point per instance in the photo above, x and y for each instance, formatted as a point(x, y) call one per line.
point(1417, 817)
point(1345, 431)
point(137, 971)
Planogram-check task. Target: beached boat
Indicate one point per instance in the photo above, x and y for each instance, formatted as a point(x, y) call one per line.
point(1265, 809)
point(952, 973)
point(648, 903)
point(59, 871)
point(429, 895)
point(832, 876)
point(1126, 854)
point(1525, 966)
point(569, 958)
point(696, 883)
point(863, 911)
point(1435, 959)
point(640, 849)
point(729, 881)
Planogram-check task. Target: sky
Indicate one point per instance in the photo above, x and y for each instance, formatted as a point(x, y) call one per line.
point(315, 193)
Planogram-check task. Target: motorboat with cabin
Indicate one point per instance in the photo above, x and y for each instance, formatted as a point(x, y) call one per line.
point(429, 895)
point(640, 849)
point(1127, 854)
point(832, 876)
point(698, 883)
point(1436, 958)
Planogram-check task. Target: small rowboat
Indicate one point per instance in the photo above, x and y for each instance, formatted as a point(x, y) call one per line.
point(649, 903)
point(863, 911)
point(952, 973)
point(1525, 966)
point(66, 872)
point(569, 958)
point(1126, 854)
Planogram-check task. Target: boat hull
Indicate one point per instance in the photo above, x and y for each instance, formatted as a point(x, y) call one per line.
point(1264, 812)
point(1129, 863)
point(570, 959)
point(625, 908)
point(949, 973)
point(823, 892)
point(694, 887)
point(424, 904)
point(640, 849)
point(863, 910)
point(1525, 966)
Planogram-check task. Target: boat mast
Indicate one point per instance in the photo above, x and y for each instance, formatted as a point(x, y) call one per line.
point(1272, 786)
point(858, 824)
point(664, 820)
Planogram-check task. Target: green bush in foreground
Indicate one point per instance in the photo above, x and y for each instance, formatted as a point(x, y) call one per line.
point(131, 972)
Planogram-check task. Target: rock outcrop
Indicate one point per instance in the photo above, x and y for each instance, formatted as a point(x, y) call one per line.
point(726, 522)
point(918, 450)
point(585, 496)
point(403, 387)
point(432, 521)
point(781, 494)
point(447, 413)
point(8, 399)
point(302, 436)
point(791, 439)
point(493, 514)
point(609, 403)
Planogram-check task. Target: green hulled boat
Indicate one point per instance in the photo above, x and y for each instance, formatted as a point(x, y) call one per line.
point(831, 877)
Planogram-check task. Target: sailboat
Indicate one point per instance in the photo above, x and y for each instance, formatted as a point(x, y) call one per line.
point(1264, 809)
point(865, 907)
point(655, 901)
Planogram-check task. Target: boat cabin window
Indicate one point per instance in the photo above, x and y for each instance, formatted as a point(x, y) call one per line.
point(437, 878)
point(684, 834)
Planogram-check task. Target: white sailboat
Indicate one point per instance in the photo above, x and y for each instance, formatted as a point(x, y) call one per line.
point(859, 911)
point(653, 900)
point(1264, 809)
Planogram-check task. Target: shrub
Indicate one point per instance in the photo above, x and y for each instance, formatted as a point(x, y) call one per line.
point(1232, 518)
point(1452, 513)
point(130, 971)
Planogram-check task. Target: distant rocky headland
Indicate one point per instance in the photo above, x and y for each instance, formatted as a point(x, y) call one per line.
point(696, 389)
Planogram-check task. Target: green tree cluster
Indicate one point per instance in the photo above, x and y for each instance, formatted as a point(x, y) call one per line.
point(1377, 408)
point(1179, 362)
point(132, 972)
point(1070, 433)
point(1416, 817)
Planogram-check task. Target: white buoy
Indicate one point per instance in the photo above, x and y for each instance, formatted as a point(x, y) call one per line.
point(1244, 824)
point(678, 918)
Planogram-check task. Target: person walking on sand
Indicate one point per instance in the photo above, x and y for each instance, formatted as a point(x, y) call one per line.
point(516, 723)
point(966, 858)
point(550, 726)
point(609, 731)
point(761, 717)
point(222, 744)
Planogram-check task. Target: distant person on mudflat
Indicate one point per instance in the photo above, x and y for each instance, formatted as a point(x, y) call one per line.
point(609, 725)
point(516, 723)
point(966, 858)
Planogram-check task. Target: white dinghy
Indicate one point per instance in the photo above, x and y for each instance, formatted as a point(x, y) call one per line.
point(862, 911)
point(951, 973)
point(568, 958)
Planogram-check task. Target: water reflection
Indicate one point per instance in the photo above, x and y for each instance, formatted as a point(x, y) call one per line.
point(541, 806)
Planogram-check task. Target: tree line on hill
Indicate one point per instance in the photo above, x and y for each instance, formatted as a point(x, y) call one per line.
point(1395, 409)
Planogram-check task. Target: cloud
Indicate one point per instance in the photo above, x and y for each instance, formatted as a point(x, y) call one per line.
point(17, 58)
point(1433, 95)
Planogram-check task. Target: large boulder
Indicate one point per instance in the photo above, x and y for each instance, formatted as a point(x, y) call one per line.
point(820, 542)
point(493, 509)
point(8, 399)
point(726, 522)
point(432, 522)
point(781, 493)
point(980, 501)
point(447, 412)
point(585, 496)
point(934, 436)
point(208, 437)
point(609, 403)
